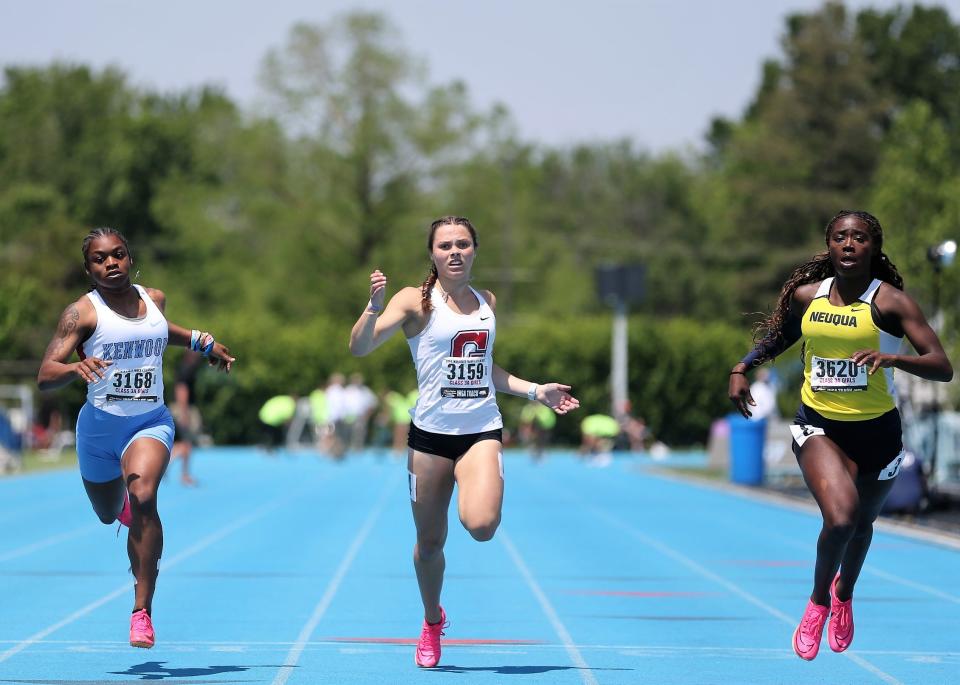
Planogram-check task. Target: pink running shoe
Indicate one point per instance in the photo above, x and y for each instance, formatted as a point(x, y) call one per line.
point(125, 517)
point(840, 625)
point(806, 638)
point(141, 630)
point(428, 648)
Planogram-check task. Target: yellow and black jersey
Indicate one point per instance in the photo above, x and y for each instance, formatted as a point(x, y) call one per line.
point(832, 384)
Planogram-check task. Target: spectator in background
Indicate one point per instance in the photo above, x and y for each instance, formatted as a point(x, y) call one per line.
point(275, 415)
point(320, 417)
point(634, 434)
point(764, 393)
point(186, 417)
point(536, 424)
point(338, 433)
point(597, 434)
point(359, 403)
point(398, 406)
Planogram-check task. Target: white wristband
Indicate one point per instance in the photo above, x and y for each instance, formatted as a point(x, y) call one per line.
point(532, 392)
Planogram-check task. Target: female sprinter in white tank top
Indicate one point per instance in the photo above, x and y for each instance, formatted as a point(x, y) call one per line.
point(455, 435)
point(124, 431)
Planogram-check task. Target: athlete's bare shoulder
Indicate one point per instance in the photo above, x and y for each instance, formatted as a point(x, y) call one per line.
point(80, 314)
point(408, 298)
point(490, 298)
point(893, 300)
point(76, 324)
point(158, 296)
point(803, 296)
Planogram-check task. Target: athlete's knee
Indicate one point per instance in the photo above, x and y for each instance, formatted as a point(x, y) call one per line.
point(483, 530)
point(105, 517)
point(863, 529)
point(143, 493)
point(428, 548)
point(841, 522)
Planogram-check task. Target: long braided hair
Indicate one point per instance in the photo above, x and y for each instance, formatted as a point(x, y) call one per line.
point(100, 233)
point(770, 330)
point(426, 306)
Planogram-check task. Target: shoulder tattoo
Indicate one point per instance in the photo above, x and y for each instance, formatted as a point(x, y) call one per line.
point(68, 322)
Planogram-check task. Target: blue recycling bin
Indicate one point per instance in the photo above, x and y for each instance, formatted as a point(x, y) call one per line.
point(747, 439)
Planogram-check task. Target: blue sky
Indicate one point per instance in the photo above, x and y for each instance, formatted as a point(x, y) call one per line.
point(655, 71)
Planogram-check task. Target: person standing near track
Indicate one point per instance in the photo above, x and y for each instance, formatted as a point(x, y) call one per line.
point(456, 432)
point(187, 422)
point(848, 306)
point(124, 430)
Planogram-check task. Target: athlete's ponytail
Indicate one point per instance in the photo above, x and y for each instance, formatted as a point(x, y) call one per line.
point(426, 305)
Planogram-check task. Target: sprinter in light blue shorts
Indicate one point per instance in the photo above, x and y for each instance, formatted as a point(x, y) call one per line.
point(124, 431)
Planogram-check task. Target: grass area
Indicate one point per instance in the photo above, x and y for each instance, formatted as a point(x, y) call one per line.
point(33, 462)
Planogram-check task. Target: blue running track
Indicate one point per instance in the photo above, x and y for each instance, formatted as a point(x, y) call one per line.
point(293, 569)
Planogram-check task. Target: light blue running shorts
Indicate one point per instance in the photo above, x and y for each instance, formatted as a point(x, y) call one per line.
point(102, 438)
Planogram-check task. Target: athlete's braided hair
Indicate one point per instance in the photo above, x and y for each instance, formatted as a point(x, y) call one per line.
point(425, 304)
point(770, 330)
point(99, 233)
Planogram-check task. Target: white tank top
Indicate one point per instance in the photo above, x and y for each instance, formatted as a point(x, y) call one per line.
point(134, 382)
point(453, 356)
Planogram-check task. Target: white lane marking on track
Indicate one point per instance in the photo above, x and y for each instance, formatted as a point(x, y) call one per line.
point(911, 531)
point(190, 551)
point(46, 542)
point(654, 650)
point(909, 583)
point(575, 656)
point(691, 564)
point(45, 508)
point(293, 656)
point(873, 570)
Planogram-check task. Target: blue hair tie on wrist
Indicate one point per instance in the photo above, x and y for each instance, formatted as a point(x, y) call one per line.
point(201, 342)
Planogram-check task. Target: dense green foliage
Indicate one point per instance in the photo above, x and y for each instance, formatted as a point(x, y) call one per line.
point(264, 228)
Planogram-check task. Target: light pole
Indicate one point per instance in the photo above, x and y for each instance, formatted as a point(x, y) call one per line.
point(619, 286)
point(940, 256)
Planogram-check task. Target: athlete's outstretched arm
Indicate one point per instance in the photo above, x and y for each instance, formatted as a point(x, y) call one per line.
point(378, 323)
point(200, 341)
point(76, 323)
point(554, 395)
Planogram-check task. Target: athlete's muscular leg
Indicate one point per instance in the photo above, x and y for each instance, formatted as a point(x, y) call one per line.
point(830, 476)
point(480, 489)
point(143, 466)
point(872, 493)
point(434, 487)
point(106, 498)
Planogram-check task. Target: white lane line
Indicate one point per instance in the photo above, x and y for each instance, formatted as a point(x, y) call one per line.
point(293, 656)
point(909, 583)
point(47, 542)
point(125, 588)
point(691, 564)
point(774, 534)
point(647, 650)
point(912, 531)
point(586, 675)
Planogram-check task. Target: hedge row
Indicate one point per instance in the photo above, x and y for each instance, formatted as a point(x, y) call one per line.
point(677, 370)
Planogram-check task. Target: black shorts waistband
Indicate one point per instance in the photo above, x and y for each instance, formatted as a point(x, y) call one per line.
point(449, 446)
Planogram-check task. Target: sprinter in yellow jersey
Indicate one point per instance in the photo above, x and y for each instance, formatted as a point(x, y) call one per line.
point(848, 306)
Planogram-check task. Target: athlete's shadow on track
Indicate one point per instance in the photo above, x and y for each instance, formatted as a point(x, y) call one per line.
point(155, 670)
point(515, 670)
